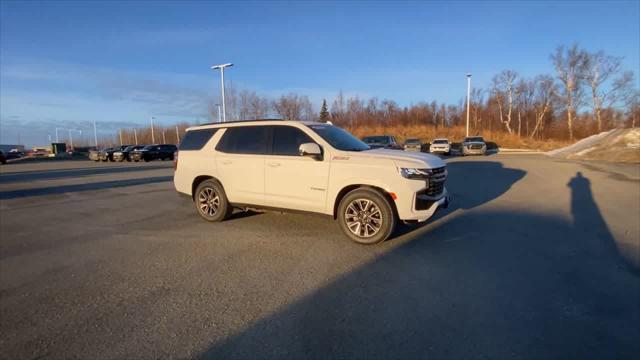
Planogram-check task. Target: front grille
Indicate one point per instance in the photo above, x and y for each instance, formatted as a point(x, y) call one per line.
point(426, 197)
point(475, 146)
point(435, 188)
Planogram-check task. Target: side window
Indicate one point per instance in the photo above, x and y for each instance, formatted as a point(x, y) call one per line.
point(244, 140)
point(196, 139)
point(287, 140)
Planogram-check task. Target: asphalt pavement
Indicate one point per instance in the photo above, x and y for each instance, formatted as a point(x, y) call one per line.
point(535, 258)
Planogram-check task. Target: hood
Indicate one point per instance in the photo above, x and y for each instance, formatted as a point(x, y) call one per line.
point(402, 158)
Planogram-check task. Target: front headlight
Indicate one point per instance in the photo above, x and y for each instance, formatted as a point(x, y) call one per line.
point(415, 174)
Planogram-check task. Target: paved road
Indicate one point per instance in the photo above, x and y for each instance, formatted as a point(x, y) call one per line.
point(536, 258)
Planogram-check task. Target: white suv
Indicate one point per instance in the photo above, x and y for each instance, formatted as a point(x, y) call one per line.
point(309, 167)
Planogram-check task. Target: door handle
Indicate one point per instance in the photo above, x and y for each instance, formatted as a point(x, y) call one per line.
point(274, 164)
point(226, 162)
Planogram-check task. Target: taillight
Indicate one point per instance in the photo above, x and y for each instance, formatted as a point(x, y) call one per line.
point(175, 160)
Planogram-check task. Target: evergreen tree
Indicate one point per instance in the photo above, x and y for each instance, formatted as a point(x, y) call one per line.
point(324, 111)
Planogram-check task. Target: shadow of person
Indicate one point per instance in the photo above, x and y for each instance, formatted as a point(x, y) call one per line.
point(588, 223)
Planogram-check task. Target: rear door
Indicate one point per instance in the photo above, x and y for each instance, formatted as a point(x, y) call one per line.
point(293, 181)
point(241, 153)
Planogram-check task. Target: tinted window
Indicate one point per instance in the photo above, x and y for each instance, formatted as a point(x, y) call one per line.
point(339, 138)
point(287, 140)
point(244, 140)
point(440, 141)
point(376, 139)
point(168, 147)
point(474, 139)
point(196, 139)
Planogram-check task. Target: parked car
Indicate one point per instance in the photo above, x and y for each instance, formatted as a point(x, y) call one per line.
point(123, 154)
point(440, 146)
point(3, 158)
point(154, 152)
point(310, 167)
point(382, 141)
point(14, 154)
point(474, 145)
point(107, 154)
point(94, 155)
point(412, 144)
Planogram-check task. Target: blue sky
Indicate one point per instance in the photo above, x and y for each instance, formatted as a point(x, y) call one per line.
point(66, 64)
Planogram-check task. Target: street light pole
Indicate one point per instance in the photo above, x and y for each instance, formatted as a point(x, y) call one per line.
point(58, 140)
point(120, 131)
point(221, 67)
point(95, 133)
point(164, 141)
point(219, 114)
point(177, 136)
point(135, 135)
point(468, 99)
point(153, 138)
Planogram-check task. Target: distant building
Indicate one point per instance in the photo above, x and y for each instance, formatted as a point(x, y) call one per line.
point(7, 148)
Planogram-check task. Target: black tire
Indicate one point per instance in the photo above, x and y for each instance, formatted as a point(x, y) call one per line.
point(205, 201)
point(146, 159)
point(354, 204)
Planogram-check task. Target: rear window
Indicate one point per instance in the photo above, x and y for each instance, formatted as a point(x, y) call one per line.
point(196, 139)
point(244, 140)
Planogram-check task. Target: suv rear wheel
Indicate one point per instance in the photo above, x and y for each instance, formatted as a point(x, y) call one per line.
point(211, 201)
point(366, 216)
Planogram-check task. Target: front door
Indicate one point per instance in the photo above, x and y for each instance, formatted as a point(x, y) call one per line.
point(293, 181)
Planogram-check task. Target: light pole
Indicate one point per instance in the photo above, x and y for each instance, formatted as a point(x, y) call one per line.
point(71, 137)
point(468, 99)
point(120, 131)
point(221, 67)
point(177, 136)
point(219, 114)
point(135, 135)
point(153, 138)
point(164, 141)
point(95, 133)
point(58, 140)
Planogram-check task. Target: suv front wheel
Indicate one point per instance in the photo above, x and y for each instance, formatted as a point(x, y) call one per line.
point(211, 201)
point(366, 216)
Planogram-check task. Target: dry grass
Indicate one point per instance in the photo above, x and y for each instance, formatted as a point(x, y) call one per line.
point(426, 133)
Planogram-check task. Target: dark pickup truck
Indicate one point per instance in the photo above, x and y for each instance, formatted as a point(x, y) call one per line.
point(154, 152)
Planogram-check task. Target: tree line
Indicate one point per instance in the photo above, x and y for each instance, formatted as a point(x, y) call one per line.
point(587, 93)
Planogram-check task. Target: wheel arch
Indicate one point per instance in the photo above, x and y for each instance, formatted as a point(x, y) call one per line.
point(349, 188)
point(198, 180)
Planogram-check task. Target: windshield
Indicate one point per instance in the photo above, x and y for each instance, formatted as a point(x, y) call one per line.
point(412, 141)
point(376, 139)
point(440, 141)
point(129, 148)
point(149, 147)
point(474, 139)
point(339, 138)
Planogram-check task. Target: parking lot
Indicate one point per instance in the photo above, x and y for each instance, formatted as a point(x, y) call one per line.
point(535, 257)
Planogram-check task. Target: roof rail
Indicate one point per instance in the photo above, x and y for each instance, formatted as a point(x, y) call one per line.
point(238, 121)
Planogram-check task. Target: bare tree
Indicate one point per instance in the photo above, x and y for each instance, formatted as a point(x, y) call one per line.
point(600, 68)
point(570, 68)
point(544, 94)
point(525, 90)
point(477, 101)
point(294, 107)
point(503, 90)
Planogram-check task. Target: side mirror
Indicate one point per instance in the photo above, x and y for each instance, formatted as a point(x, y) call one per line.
point(310, 149)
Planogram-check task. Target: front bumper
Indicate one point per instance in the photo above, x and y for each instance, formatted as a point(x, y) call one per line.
point(439, 150)
point(428, 206)
point(467, 151)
